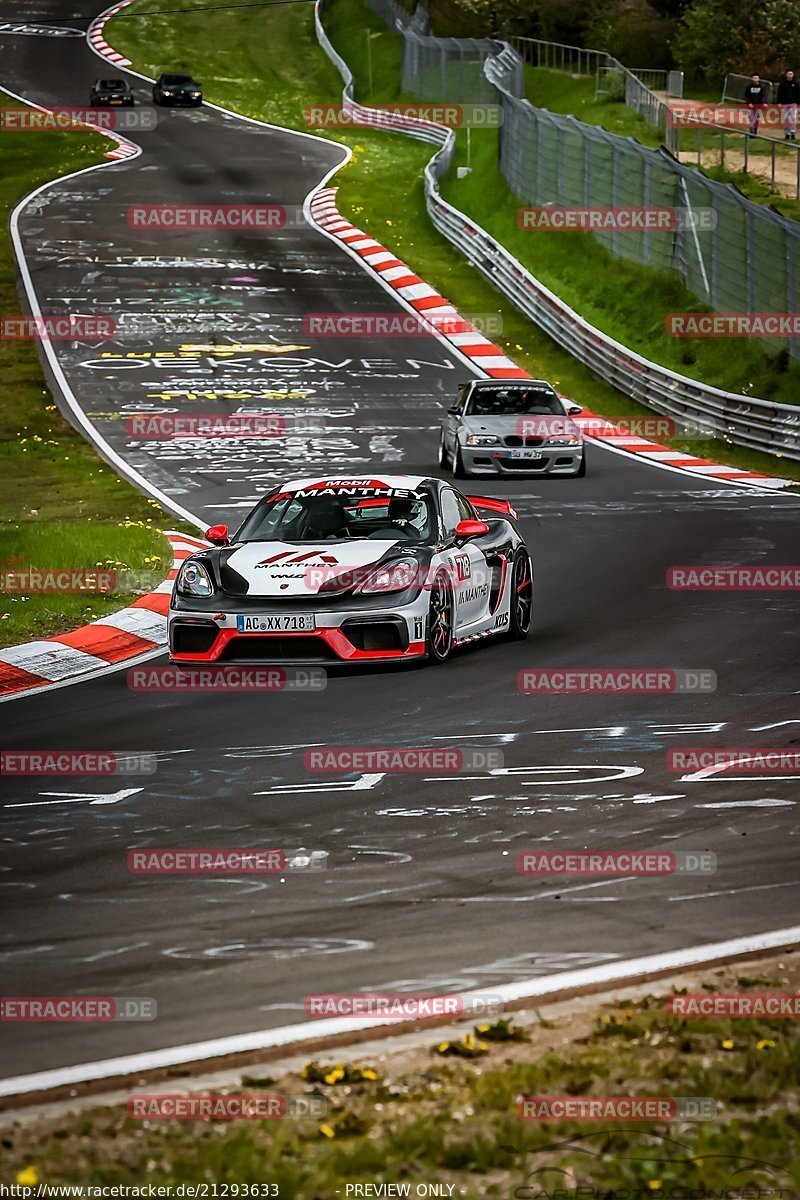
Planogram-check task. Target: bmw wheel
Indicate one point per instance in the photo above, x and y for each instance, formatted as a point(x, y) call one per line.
point(440, 621)
point(444, 460)
point(458, 464)
point(521, 599)
point(582, 468)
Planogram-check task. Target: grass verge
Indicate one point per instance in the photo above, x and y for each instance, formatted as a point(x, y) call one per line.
point(62, 506)
point(447, 1113)
point(275, 78)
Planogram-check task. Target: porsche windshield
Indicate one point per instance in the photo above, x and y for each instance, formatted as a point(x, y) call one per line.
point(512, 401)
point(401, 516)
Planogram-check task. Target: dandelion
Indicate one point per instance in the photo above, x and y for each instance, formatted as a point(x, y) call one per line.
point(765, 1044)
point(28, 1177)
point(327, 1131)
point(728, 1044)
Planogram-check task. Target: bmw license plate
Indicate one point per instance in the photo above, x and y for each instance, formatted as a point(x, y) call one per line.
point(533, 455)
point(277, 623)
point(116, 102)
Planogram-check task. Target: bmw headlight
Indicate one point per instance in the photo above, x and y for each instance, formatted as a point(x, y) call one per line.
point(196, 95)
point(164, 92)
point(566, 439)
point(193, 580)
point(482, 439)
point(396, 576)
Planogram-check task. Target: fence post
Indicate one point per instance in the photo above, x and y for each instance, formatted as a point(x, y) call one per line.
point(791, 287)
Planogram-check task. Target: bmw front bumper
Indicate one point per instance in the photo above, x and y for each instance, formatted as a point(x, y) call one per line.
point(500, 460)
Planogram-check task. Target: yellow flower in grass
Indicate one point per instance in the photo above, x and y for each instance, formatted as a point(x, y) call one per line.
point(654, 1185)
point(326, 1131)
point(368, 1073)
point(336, 1074)
point(728, 1044)
point(28, 1177)
point(765, 1044)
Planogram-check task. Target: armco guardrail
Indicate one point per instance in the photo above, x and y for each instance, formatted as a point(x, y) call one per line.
point(740, 420)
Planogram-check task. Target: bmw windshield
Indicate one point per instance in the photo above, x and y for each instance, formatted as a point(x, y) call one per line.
point(513, 401)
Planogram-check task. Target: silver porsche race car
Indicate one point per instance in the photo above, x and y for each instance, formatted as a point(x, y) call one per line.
point(512, 426)
point(387, 568)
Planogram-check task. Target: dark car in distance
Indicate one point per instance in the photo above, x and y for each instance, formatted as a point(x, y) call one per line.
point(177, 90)
point(114, 92)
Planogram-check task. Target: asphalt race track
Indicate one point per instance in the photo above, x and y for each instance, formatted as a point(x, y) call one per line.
point(421, 891)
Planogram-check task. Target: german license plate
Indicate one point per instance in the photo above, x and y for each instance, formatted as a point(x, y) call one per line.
point(116, 102)
point(533, 455)
point(277, 623)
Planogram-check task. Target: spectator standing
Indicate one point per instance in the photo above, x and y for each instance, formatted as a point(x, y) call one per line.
point(788, 99)
point(755, 97)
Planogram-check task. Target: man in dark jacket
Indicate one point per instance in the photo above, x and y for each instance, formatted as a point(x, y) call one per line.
point(788, 99)
point(755, 97)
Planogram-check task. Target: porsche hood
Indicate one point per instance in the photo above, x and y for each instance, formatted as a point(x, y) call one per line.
point(282, 570)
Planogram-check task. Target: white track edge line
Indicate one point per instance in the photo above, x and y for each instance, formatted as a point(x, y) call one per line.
point(287, 1035)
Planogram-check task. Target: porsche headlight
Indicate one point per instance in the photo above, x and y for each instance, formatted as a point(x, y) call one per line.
point(482, 439)
point(193, 580)
point(396, 576)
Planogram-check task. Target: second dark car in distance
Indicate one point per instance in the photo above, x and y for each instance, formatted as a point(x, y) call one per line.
point(171, 89)
point(112, 92)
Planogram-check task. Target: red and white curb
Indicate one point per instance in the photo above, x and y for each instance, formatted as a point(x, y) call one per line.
point(133, 631)
point(425, 300)
point(490, 359)
point(98, 42)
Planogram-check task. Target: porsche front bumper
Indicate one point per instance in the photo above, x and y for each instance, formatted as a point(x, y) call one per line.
point(358, 634)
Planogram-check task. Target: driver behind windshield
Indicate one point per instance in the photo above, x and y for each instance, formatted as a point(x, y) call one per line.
point(506, 402)
point(307, 519)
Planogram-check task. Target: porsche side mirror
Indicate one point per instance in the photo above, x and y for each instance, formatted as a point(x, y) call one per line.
point(218, 534)
point(470, 529)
